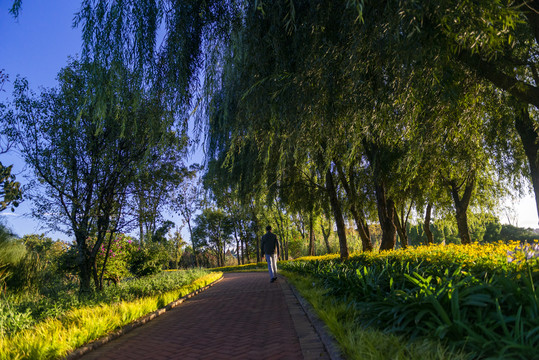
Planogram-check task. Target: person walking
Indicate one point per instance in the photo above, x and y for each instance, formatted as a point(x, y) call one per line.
point(269, 246)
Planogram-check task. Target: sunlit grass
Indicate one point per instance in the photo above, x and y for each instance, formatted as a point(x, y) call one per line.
point(358, 342)
point(55, 338)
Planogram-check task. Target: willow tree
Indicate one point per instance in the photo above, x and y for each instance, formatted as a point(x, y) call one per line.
point(291, 83)
point(279, 136)
point(495, 40)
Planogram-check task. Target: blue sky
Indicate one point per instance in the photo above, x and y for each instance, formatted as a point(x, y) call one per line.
point(37, 45)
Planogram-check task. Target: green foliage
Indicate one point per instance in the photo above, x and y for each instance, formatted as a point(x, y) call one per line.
point(159, 236)
point(10, 190)
point(89, 154)
point(175, 247)
point(114, 265)
point(493, 231)
point(511, 232)
point(485, 229)
point(147, 259)
point(483, 306)
point(53, 338)
point(360, 342)
point(40, 268)
point(213, 229)
point(15, 8)
point(12, 252)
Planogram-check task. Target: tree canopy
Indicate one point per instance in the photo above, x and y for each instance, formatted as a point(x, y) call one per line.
point(88, 159)
point(375, 112)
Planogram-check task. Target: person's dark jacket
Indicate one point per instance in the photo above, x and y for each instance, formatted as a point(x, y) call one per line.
point(269, 244)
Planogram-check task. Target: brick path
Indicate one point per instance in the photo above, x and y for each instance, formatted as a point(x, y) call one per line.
point(244, 316)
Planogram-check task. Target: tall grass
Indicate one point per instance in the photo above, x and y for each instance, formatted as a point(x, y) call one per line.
point(54, 337)
point(21, 310)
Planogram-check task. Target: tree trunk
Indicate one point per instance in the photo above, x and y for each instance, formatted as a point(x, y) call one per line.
point(281, 244)
point(237, 244)
point(426, 225)
point(107, 252)
point(522, 90)
point(386, 215)
point(530, 141)
point(337, 212)
point(300, 225)
point(257, 249)
point(85, 268)
point(311, 235)
point(361, 223)
point(256, 228)
point(141, 230)
point(242, 246)
point(224, 254)
point(385, 205)
point(284, 237)
point(326, 237)
point(364, 234)
point(461, 205)
point(401, 230)
point(462, 225)
point(192, 242)
point(247, 253)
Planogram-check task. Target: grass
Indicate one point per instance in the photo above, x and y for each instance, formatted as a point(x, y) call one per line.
point(55, 337)
point(358, 342)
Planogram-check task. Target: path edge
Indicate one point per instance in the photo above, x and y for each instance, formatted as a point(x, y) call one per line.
point(79, 352)
point(329, 341)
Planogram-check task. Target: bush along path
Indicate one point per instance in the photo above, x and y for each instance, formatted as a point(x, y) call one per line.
point(476, 298)
point(244, 316)
point(56, 337)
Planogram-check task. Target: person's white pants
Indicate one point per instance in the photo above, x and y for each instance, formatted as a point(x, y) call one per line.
point(272, 265)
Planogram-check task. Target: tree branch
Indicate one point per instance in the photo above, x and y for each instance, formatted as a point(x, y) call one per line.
point(485, 69)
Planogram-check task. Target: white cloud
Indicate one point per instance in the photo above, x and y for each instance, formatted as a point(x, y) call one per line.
point(9, 214)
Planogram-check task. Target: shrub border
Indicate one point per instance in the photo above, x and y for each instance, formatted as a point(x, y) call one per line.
point(78, 353)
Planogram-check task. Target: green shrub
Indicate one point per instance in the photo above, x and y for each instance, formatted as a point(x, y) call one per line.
point(467, 296)
point(148, 259)
point(119, 247)
point(12, 252)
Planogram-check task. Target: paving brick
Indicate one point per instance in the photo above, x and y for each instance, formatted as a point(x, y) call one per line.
point(241, 317)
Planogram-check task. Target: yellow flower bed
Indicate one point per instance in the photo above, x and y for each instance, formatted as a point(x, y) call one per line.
point(492, 254)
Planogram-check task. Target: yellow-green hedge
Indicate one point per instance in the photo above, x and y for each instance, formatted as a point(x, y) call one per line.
point(55, 338)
